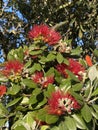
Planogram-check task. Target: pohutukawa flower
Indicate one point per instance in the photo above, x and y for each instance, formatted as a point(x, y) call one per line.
point(2, 90)
point(44, 33)
point(62, 103)
point(39, 78)
point(74, 66)
point(13, 67)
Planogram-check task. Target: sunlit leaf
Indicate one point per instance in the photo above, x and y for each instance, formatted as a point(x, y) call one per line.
point(86, 113)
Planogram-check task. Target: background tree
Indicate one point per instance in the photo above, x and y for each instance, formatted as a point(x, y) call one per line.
point(75, 19)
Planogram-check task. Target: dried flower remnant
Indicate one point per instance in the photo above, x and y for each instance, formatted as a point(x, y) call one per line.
point(62, 103)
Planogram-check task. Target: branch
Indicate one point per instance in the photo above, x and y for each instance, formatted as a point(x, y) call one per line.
point(59, 25)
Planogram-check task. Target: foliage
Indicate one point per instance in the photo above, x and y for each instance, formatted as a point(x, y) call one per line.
point(49, 86)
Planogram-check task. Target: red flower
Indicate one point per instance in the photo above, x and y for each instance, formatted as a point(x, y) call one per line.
point(44, 33)
point(47, 80)
point(53, 37)
point(74, 66)
point(39, 30)
point(39, 78)
point(12, 67)
point(61, 103)
point(2, 90)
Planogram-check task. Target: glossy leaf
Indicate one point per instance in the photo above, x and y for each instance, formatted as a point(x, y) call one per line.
point(21, 127)
point(13, 102)
point(28, 64)
point(29, 118)
point(72, 76)
point(77, 87)
point(50, 119)
point(60, 58)
point(79, 121)
point(44, 127)
point(13, 90)
point(3, 110)
point(93, 112)
point(70, 123)
point(95, 92)
point(37, 52)
point(95, 106)
point(29, 83)
point(86, 113)
point(50, 57)
point(2, 122)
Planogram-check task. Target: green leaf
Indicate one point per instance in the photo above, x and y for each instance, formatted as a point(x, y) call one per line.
point(29, 83)
point(41, 114)
point(65, 84)
point(72, 76)
point(94, 113)
point(66, 61)
point(21, 127)
point(59, 58)
point(80, 33)
point(55, 128)
point(41, 103)
point(50, 71)
point(95, 92)
point(78, 97)
point(44, 127)
point(10, 55)
point(13, 102)
point(50, 89)
point(77, 87)
point(70, 123)
point(50, 57)
point(37, 52)
point(79, 121)
point(51, 119)
point(35, 67)
point(3, 110)
point(85, 111)
point(82, 62)
point(43, 60)
point(13, 90)
point(16, 54)
point(25, 101)
point(76, 51)
point(2, 122)
point(62, 126)
point(95, 52)
point(20, 54)
point(95, 107)
point(28, 64)
point(33, 98)
point(29, 118)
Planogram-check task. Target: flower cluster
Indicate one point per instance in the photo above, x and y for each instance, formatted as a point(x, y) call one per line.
point(12, 68)
point(74, 66)
point(39, 78)
point(62, 103)
point(44, 33)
